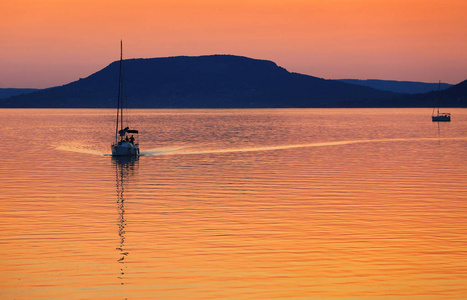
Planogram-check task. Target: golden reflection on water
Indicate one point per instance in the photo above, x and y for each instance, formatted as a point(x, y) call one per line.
point(236, 204)
point(125, 168)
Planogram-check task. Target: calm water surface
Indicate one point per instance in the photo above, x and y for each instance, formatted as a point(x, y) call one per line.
point(234, 204)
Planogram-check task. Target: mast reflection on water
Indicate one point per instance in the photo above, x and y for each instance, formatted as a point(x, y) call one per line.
point(125, 168)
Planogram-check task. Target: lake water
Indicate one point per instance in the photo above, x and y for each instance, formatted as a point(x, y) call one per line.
point(234, 204)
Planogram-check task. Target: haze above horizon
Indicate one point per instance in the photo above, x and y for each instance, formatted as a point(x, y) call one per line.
point(53, 42)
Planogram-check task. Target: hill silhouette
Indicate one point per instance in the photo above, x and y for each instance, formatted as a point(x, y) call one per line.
point(403, 87)
point(9, 92)
point(215, 81)
point(454, 96)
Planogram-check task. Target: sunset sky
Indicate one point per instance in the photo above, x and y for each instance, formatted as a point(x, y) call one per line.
point(46, 43)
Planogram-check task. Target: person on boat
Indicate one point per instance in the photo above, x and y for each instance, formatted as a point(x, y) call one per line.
point(132, 139)
point(126, 138)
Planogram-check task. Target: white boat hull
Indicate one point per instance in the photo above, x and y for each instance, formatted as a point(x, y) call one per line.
point(441, 118)
point(125, 149)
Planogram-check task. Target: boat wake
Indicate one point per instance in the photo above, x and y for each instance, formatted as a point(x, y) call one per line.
point(201, 149)
point(79, 150)
point(193, 150)
point(160, 151)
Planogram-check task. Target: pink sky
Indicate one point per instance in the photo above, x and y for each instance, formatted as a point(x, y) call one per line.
point(47, 43)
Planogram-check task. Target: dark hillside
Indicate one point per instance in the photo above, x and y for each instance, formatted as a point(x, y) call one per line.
point(455, 96)
point(6, 93)
point(403, 87)
point(216, 81)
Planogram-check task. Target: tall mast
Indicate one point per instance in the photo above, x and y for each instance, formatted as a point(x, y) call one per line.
point(439, 92)
point(120, 95)
point(121, 84)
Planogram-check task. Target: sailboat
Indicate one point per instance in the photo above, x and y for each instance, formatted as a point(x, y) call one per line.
point(440, 117)
point(125, 143)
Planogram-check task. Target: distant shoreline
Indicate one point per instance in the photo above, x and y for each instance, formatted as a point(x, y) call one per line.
point(228, 81)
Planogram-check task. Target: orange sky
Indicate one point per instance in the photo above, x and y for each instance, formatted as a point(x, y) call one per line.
point(46, 43)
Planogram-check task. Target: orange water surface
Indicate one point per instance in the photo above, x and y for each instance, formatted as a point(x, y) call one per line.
point(234, 204)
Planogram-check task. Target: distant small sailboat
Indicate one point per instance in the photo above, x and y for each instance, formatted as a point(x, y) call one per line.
point(440, 117)
point(125, 143)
